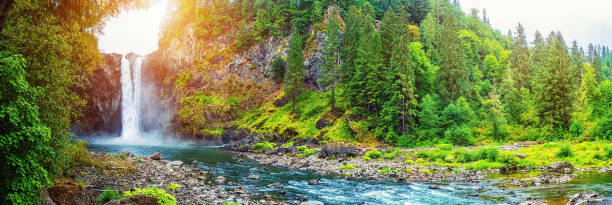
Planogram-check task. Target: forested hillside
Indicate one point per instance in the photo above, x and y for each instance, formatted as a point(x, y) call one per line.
point(408, 73)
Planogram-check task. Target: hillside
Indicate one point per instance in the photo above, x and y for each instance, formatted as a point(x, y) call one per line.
point(407, 74)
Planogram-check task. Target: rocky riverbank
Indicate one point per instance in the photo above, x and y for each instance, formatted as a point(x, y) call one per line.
point(124, 172)
point(346, 160)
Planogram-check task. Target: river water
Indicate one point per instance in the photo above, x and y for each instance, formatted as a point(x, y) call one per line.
point(336, 190)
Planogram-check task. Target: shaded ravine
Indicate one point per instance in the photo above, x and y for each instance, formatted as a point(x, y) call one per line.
point(336, 190)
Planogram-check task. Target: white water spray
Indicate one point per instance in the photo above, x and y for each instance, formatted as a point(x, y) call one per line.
point(130, 99)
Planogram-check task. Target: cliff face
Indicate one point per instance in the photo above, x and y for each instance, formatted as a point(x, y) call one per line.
point(102, 113)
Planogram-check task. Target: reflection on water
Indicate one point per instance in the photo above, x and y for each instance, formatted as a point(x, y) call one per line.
point(334, 190)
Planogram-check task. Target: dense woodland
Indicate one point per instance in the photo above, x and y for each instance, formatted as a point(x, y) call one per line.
point(417, 73)
point(407, 72)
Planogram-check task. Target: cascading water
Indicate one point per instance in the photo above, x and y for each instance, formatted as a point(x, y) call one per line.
point(130, 99)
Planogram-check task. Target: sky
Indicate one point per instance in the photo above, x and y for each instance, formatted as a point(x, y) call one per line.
point(134, 31)
point(586, 21)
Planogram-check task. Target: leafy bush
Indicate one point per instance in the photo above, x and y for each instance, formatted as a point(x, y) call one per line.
point(302, 148)
point(162, 197)
point(608, 150)
point(446, 147)
point(278, 69)
point(460, 135)
point(305, 151)
point(288, 144)
point(390, 155)
point(507, 157)
point(565, 150)
point(347, 167)
point(25, 140)
point(366, 158)
point(121, 156)
point(373, 154)
point(426, 171)
point(174, 186)
point(483, 164)
point(108, 195)
point(265, 145)
point(487, 153)
point(385, 170)
point(409, 162)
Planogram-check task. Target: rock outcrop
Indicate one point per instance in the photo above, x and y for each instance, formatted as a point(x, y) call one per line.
point(102, 114)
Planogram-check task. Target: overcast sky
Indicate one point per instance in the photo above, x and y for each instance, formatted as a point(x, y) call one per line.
point(586, 21)
point(134, 31)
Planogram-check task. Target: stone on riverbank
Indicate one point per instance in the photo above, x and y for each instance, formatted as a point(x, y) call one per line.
point(561, 167)
point(585, 197)
point(311, 203)
point(313, 182)
point(253, 177)
point(155, 156)
point(220, 180)
point(532, 201)
point(175, 163)
point(139, 199)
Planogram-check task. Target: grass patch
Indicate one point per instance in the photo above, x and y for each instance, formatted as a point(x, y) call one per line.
point(305, 151)
point(373, 154)
point(174, 186)
point(108, 195)
point(265, 145)
point(385, 170)
point(347, 167)
point(288, 144)
point(162, 197)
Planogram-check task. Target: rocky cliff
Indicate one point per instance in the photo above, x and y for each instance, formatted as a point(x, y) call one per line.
point(102, 114)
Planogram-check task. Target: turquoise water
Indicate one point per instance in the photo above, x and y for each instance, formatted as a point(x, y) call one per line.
point(336, 190)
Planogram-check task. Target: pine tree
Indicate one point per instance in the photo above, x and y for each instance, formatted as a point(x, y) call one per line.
point(429, 119)
point(582, 123)
point(418, 10)
point(519, 60)
point(577, 64)
point(294, 77)
point(330, 70)
point(494, 115)
point(554, 94)
point(452, 76)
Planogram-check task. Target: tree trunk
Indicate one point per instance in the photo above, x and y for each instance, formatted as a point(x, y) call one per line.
point(333, 99)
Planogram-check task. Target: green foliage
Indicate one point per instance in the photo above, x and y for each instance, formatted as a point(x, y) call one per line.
point(278, 69)
point(445, 147)
point(287, 144)
point(390, 155)
point(121, 156)
point(108, 195)
point(347, 167)
point(25, 140)
point(162, 197)
point(385, 170)
point(564, 151)
point(306, 151)
point(265, 145)
point(294, 78)
point(373, 154)
point(174, 186)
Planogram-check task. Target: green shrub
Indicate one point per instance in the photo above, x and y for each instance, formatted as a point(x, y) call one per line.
point(462, 156)
point(385, 170)
point(608, 150)
point(507, 157)
point(347, 167)
point(373, 154)
point(366, 158)
point(309, 152)
point(174, 186)
point(422, 162)
point(390, 155)
point(278, 69)
point(460, 135)
point(565, 150)
point(446, 147)
point(483, 164)
point(108, 195)
point(162, 197)
point(139, 160)
point(409, 162)
point(121, 156)
point(302, 148)
point(265, 145)
point(288, 144)
point(230, 203)
point(487, 153)
point(426, 171)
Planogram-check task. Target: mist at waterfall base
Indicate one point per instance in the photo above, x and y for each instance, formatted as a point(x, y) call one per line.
point(144, 116)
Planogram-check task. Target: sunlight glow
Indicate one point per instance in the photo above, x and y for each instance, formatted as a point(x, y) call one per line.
point(134, 31)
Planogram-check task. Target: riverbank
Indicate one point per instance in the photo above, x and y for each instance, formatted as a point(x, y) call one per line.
point(503, 165)
point(126, 172)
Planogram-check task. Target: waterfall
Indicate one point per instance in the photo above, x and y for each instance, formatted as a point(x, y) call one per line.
point(130, 99)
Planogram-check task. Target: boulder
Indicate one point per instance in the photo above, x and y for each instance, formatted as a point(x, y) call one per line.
point(220, 180)
point(67, 192)
point(313, 182)
point(561, 167)
point(532, 201)
point(175, 163)
point(339, 150)
point(156, 156)
point(312, 203)
point(585, 197)
point(253, 177)
point(127, 154)
point(139, 199)
point(275, 185)
point(433, 186)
